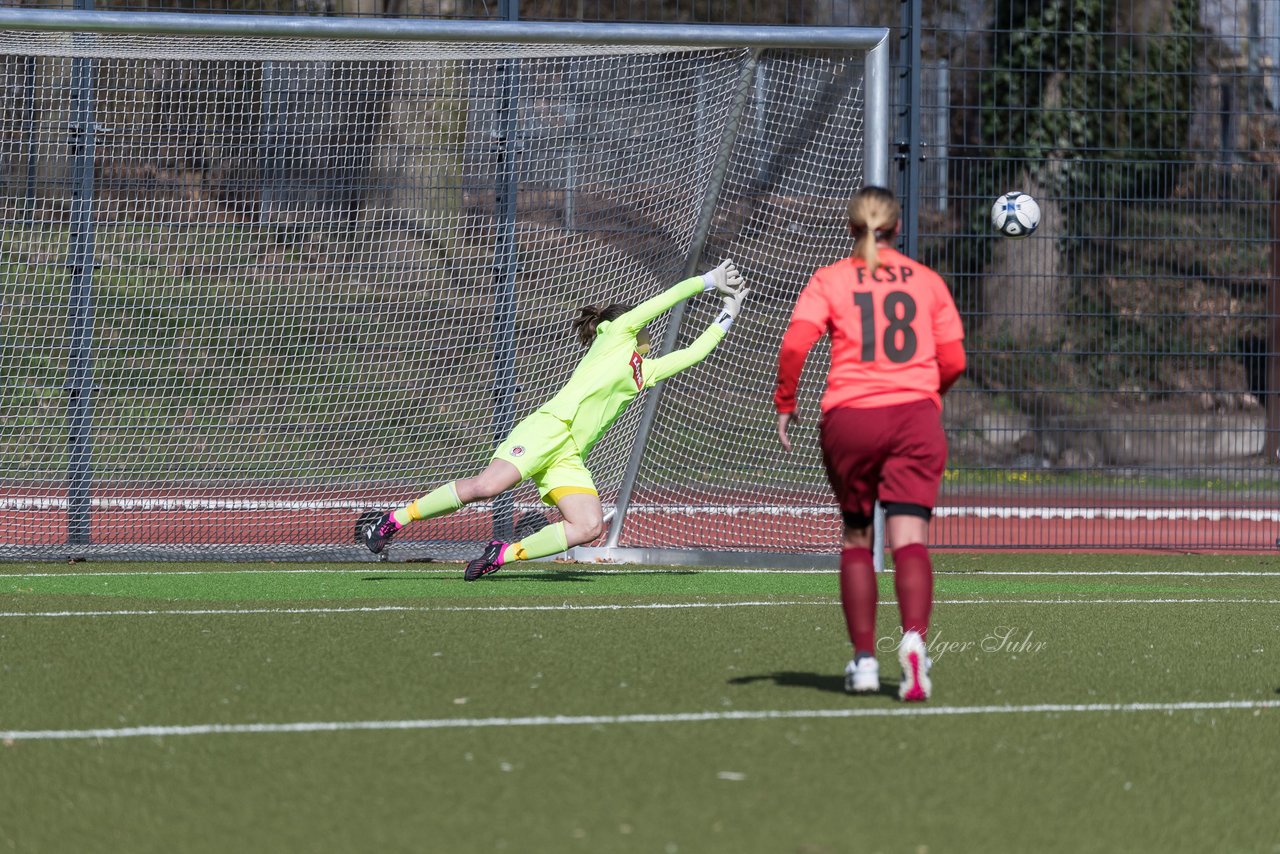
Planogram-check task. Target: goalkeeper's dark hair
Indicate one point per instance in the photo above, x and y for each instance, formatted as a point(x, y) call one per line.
point(873, 215)
point(591, 316)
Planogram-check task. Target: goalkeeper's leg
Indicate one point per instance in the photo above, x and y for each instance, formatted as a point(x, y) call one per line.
point(496, 479)
point(583, 522)
point(566, 483)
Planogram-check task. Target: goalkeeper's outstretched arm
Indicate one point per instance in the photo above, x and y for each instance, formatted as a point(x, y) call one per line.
point(657, 370)
point(724, 279)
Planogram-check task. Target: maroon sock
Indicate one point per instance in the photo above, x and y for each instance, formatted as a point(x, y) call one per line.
point(913, 581)
point(858, 596)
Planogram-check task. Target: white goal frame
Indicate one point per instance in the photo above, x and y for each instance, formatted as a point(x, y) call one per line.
point(871, 44)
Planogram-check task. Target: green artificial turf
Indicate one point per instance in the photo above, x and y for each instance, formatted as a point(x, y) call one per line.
point(562, 708)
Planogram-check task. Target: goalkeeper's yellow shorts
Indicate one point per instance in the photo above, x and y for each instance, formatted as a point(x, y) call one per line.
point(543, 450)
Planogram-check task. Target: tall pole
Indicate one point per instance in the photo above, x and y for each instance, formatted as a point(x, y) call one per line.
point(504, 267)
point(79, 381)
point(1271, 392)
point(909, 154)
point(907, 148)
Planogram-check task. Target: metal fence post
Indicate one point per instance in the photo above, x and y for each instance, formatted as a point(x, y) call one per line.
point(79, 381)
point(1271, 392)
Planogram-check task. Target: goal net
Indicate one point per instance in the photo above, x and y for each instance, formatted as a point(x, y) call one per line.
point(254, 286)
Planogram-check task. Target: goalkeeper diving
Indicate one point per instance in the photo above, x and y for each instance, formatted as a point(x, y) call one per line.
point(551, 444)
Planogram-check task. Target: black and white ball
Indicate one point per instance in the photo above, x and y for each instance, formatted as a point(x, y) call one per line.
point(1015, 214)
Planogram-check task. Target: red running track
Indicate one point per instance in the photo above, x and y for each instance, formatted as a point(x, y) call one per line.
point(33, 521)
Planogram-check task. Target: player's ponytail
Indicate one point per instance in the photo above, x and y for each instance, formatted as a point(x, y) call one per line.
point(591, 316)
point(873, 215)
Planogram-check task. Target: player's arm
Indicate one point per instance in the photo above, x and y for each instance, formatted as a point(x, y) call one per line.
point(797, 341)
point(659, 369)
point(951, 362)
point(948, 332)
point(809, 322)
point(725, 279)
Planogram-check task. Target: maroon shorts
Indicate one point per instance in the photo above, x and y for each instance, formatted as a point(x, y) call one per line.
point(891, 454)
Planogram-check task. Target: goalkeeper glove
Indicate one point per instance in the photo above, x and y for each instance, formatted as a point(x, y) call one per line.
point(726, 279)
point(732, 305)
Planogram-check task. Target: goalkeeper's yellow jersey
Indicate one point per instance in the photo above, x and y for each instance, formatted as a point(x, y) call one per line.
point(612, 373)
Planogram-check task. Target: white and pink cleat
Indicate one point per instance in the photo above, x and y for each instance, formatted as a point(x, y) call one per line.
point(915, 686)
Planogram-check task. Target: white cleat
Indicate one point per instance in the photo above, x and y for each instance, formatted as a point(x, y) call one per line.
point(915, 686)
point(862, 677)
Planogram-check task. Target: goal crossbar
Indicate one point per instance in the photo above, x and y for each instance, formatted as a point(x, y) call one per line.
point(517, 32)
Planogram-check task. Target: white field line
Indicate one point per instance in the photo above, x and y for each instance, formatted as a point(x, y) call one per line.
point(356, 504)
point(1183, 514)
point(621, 720)
point(374, 569)
point(394, 609)
point(1134, 573)
point(649, 606)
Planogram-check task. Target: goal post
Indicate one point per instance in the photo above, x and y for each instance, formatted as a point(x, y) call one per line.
point(262, 274)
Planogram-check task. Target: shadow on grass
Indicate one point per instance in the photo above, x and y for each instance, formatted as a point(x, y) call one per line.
point(833, 684)
point(554, 576)
point(512, 576)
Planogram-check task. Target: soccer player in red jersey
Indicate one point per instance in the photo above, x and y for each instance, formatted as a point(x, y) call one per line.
point(897, 345)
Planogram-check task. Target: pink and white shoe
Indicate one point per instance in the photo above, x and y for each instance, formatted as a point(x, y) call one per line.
point(915, 686)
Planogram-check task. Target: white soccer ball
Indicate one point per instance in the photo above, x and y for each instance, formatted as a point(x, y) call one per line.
point(1015, 214)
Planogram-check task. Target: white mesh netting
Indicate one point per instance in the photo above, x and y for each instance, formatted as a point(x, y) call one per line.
point(296, 310)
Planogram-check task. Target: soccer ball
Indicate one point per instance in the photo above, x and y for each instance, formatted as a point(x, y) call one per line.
point(1015, 214)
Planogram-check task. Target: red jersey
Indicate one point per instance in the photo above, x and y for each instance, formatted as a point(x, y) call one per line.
point(885, 329)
